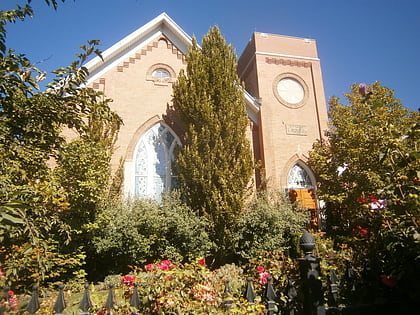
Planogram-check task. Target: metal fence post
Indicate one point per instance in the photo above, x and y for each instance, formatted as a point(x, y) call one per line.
point(135, 300)
point(110, 300)
point(291, 298)
point(85, 303)
point(60, 303)
point(33, 305)
point(310, 272)
point(228, 300)
point(249, 291)
point(271, 297)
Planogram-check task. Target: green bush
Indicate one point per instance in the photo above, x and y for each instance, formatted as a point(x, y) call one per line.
point(268, 224)
point(144, 231)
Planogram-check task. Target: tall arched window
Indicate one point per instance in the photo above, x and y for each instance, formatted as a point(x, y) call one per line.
point(153, 159)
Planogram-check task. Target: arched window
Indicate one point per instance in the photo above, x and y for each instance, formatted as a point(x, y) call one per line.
point(161, 74)
point(301, 189)
point(153, 159)
point(299, 177)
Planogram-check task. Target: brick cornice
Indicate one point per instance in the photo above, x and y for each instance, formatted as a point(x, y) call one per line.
point(288, 62)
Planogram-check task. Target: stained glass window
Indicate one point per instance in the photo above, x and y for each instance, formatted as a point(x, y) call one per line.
point(299, 178)
point(154, 156)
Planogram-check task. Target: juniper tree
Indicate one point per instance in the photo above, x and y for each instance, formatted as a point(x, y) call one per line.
point(214, 166)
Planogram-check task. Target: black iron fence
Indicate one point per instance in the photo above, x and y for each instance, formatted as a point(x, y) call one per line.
point(315, 299)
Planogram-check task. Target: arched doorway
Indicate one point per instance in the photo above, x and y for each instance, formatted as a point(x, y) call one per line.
point(301, 189)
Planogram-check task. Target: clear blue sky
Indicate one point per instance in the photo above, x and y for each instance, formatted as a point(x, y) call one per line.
point(358, 41)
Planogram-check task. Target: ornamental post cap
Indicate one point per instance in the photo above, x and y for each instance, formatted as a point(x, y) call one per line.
point(307, 242)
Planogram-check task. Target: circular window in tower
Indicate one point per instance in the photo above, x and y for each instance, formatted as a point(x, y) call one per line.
point(290, 90)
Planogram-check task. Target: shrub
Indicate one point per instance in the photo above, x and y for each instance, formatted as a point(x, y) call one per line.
point(144, 231)
point(268, 224)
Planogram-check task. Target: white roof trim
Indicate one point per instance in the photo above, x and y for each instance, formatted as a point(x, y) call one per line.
point(252, 107)
point(161, 25)
point(286, 56)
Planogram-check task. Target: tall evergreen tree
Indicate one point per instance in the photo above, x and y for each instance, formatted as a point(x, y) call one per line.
point(214, 166)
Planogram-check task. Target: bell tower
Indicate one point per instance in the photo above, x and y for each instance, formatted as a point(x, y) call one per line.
point(284, 74)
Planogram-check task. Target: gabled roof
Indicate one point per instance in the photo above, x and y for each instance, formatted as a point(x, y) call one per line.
point(162, 25)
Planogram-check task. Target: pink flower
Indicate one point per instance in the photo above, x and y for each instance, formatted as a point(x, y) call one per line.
point(260, 269)
point(165, 265)
point(264, 277)
point(128, 280)
point(388, 281)
point(10, 293)
point(362, 88)
point(13, 302)
point(378, 204)
point(202, 262)
point(1, 273)
point(149, 267)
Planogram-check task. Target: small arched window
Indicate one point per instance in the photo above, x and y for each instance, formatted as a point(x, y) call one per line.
point(154, 157)
point(161, 74)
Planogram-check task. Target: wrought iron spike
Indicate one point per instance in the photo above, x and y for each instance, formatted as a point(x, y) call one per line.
point(228, 300)
point(135, 300)
point(270, 294)
point(86, 303)
point(33, 305)
point(110, 301)
point(249, 292)
point(60, 303)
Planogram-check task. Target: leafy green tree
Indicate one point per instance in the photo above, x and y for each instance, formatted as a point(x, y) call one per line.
point(351, 163)
point(368, 172)
point(214, 166)
point(35, 218)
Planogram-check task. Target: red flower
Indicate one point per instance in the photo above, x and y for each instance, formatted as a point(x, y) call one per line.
point(165, 265)
point(128, 280)
point(362, 200)
point(361, 232)
point(10, 293)
point(102, 311)
point(372, 198)
point(364, 233)
point(202, 262)
point(149, 267)
point(260, 269)
point(388, 281)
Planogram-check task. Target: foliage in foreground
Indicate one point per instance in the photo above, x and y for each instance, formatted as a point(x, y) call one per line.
point(39, 209)
point(145, 231)
point(369, 179)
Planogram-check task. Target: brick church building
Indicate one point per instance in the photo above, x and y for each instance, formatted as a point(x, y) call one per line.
point(284, 99)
